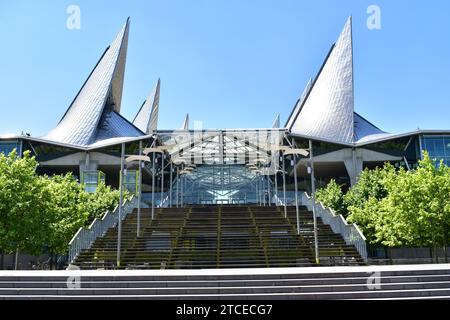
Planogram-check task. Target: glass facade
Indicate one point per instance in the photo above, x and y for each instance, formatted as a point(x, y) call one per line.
point(7, 146)
point(131, 181)
point(438, 147)
point(91, 180)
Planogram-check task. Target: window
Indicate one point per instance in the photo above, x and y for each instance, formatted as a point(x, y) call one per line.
point(91, 179)
point(438, 147)
point(6, 147)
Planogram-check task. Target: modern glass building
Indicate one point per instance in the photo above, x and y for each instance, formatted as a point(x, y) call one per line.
point(222, 166)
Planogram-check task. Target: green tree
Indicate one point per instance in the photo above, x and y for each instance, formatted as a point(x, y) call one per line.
point(103, 199)
point(365, 200)
point(23, 215)
point(332, 197)
point(371, 184)
point(38, 212)
point(399, 208)
point(419, 207)
point(67, 211)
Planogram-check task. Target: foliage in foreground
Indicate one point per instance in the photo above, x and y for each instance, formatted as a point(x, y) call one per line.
point(42, 212)
point(397, 207)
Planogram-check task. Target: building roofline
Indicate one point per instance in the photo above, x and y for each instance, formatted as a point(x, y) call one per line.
point(306, 137)
point(403, 135)
point(295, 135)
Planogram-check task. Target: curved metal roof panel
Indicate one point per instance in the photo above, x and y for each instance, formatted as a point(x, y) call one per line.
point(114, 125)
point(147, 117)
point(327, 111)
point(101, 92)
point(366, 131)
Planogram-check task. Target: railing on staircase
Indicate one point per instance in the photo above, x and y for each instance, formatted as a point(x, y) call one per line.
point(350, 232)
point(85, 237)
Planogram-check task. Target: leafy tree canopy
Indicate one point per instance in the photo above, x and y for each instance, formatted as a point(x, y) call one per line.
point(42, 212)
point(397, 207)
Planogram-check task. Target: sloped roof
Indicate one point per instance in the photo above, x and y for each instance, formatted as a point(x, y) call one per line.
point(100, 95)
point(147, 117)
point(298, 105)
point(326, 108)
point(114, 126)
point(366, 131)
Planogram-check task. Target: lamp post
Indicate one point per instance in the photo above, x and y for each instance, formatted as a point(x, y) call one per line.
point(313, 194)
point(182, 189)
point(138, 230)
point(284, 187)
point(256, 190)
point(183, 174)
point(141, 160)
point(294, 152)
point(153, 151)
point(119, 229)
point(153, 184)
point(162, 180)
point(170, 185)
point(178, 192)
point(179, 177)
point(294, 159)
point(276, 185)
point(305, 153)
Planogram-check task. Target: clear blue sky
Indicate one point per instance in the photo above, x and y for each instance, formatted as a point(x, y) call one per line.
point(229, 63)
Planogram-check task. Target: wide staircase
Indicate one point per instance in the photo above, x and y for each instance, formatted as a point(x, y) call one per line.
point(218, 237)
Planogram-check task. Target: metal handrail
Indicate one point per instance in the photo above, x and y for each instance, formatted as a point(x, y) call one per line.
point(351, 233)
point(85, 237)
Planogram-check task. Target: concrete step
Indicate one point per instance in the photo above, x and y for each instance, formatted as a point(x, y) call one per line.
point(388, 282)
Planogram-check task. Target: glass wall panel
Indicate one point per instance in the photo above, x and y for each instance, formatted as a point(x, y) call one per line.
point(91, 180)
point(7, 146)
point(438, 147)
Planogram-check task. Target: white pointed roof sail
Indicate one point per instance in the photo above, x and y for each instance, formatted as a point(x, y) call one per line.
point(102, 92)
point(298, 104)
point(185, 125)
point(327, 111)
point(276, 122)
point(147, 117)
